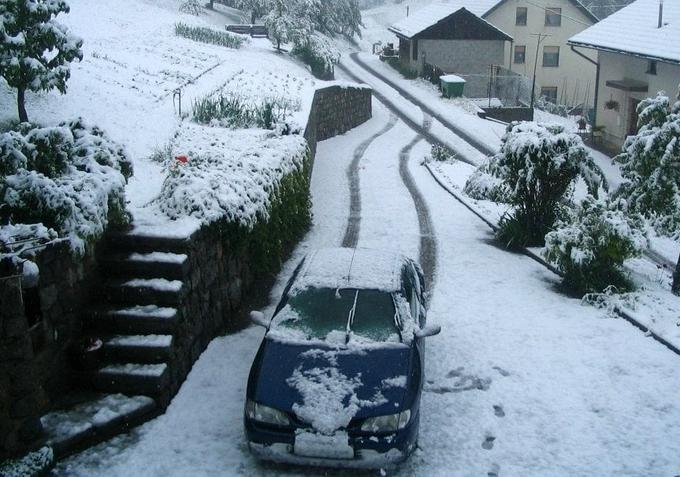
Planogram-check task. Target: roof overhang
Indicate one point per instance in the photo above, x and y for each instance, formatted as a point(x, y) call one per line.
point(624, 52)
point(631, 86)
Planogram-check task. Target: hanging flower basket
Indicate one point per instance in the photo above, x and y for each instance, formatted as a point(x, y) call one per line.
point(611, 105)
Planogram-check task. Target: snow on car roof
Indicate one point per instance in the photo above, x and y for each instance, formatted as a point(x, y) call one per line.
point(352, 268)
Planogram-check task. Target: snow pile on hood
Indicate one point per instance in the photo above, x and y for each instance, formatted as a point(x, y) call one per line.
point(329, 400)
point(228, 174)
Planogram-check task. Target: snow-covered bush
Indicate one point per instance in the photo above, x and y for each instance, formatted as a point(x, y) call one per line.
point(208, 35)
point(319, 53)
point(252, 185)
point(482, 185)
point(32, 464)
point(538, 164)
point(70, 178)
point(35, 50)
point(591, 246)
point(651, 163)
point(192, 7)
point(553, 108)
point(441, 153)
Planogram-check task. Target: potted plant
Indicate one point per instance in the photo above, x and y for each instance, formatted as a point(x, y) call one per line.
point(611, 105)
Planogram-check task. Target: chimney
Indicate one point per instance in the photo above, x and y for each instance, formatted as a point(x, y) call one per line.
point(660, 13)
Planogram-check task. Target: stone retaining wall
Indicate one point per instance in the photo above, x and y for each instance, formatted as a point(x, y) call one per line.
point(336, 110)
point(34, 364)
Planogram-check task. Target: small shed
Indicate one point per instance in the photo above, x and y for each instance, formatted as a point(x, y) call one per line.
point(451, 38)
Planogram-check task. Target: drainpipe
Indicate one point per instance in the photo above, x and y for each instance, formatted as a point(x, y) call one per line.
point(597, 79)
point(511, 55)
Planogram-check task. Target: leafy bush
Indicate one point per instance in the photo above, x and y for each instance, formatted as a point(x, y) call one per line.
point(33, 463)
point(553, 108)
point(441, 153)
point(192, 7)
point(71, 178)
point(233, 111)
point(591, 246)
point(432, 73)
point(482, 185)
point(406, 71)
point(538, 165)
point(651, 163)
point(208, 35)
point(320, 54)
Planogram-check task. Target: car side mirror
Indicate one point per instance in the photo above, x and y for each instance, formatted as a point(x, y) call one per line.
point(428, 330)
point(258, 318)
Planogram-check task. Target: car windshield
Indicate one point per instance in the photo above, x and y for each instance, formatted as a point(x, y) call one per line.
point(318, 312)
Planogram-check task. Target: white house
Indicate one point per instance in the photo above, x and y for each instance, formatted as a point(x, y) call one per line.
point(638, 55)
point(539, 30)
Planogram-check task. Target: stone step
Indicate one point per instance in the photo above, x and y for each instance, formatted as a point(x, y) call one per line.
point(149, 319)
point(131, 379)
point(130, 242)
point(172, 266)
point(145, 349)
point(145, 291)
point(95, 419)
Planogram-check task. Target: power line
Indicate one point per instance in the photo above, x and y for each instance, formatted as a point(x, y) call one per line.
point(561, 15)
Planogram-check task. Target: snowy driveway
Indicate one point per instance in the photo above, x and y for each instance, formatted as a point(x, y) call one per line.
point(522, 380)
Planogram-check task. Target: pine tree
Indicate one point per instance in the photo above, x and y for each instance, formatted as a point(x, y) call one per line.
point(35, 50)
point(651, 163)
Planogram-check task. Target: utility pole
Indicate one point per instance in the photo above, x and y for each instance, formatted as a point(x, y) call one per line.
point(539, 39)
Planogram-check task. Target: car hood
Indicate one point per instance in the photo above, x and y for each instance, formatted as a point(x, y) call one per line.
point(334, 385)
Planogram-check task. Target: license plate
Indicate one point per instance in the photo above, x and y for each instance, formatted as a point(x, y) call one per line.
point(310, 444)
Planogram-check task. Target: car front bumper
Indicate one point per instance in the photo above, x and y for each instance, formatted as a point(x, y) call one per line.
point(369, 451)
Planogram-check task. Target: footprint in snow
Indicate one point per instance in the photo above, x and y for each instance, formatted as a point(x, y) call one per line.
point(488, 442)
point(495, 470)
point(498, 410)
point(464, 382)
point(501, 371)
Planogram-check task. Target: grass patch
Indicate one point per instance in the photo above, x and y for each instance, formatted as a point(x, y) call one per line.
point(208, 35)
point(233, 111)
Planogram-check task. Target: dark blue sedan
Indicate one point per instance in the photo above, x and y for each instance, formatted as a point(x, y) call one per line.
point(338, 376)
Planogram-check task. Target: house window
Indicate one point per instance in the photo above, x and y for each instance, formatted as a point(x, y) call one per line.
point(651, 67)
point(551, 56)
point(521, 16)
point(553, 17)
point(415, 50)
point(549, 93)
point(520, 54)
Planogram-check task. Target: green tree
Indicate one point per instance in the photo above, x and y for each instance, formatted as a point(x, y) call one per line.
point(35, 50)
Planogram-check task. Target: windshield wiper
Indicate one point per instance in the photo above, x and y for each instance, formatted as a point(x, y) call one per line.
point(350, 317)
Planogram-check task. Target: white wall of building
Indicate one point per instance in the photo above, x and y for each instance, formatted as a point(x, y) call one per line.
point(616, 66)
point(575, 76)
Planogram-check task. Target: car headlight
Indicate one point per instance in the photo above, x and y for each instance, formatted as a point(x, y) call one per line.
point(266, 414)
point(391, 423)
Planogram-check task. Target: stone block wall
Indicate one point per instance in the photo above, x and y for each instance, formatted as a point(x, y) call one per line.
point(37, 328)
point(337, 109)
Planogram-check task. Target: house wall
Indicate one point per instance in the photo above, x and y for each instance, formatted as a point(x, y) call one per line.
point(615, 66)
point(575, 76)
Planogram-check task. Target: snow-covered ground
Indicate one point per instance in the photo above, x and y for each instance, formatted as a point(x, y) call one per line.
point(522, 380)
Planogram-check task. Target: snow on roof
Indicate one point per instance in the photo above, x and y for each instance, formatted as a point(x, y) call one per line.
point(634, 30)
point(424, 18)
point(352, 268)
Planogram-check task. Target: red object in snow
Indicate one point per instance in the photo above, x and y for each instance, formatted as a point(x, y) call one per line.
point(182, 159)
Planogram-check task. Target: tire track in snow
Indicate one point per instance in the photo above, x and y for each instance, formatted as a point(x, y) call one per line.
point(428, 241)
point(354, 220)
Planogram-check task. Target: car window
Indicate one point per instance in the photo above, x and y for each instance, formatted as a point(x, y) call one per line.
point(320, 311)
point(374, 316)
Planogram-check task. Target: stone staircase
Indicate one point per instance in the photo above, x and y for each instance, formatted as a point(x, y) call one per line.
point(137, 315)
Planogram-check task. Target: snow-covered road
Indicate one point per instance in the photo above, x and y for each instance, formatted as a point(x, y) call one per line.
point(522, 380)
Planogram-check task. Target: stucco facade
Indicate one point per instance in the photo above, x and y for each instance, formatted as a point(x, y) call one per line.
point(574, 78)
point(629, 70)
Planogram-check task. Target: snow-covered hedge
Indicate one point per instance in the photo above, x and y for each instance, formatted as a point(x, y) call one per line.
point(591, 245)
point(537, 165)
point(319, 53)
point(651, 163)
point(253, 185)
point(70, 178)
point(482, 185)
point(32, 464)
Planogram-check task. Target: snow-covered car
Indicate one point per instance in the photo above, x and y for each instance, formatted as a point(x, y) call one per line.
point(338, 376)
